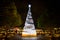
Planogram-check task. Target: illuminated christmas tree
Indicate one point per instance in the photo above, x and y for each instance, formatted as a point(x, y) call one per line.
point(29, 28)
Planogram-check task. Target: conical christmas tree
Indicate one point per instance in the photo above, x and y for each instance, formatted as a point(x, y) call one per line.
point(29, 28)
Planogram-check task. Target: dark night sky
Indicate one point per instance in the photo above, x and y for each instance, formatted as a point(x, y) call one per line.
point(51, 7)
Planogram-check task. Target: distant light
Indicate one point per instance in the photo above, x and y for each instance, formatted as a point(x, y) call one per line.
point(55, 28)
point(29, 5)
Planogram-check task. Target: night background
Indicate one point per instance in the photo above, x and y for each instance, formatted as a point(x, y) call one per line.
point(46, 12)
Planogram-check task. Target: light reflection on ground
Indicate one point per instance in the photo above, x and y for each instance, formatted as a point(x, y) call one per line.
point(29, 38)
point(39, 37)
